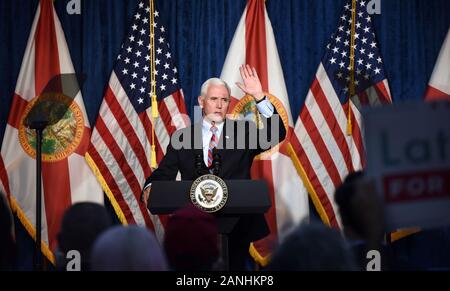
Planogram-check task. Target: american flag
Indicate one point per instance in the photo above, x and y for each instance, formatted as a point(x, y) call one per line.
point(325, 153)
point(121, 141)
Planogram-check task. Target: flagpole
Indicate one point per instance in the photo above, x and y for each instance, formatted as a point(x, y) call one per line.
point(352, 69)
point(153, 83)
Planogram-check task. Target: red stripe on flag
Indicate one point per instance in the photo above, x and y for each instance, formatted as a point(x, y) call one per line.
point(159, 156)
point(119, 156)
point(314, 180)
point(255, 40)
point(163, 219)
point(56, 184)
point(382, 93)
point(159, 153)
point(320, 146)
point(46, 48)
point(124, 167)
point(147, 219)
point(333, 124)
point(357, 137)
point(84, 143)
point(179, 100)
point(166, 117)
point(17, 109)
point(127, 130)
point(148, 130)
point(111, 183)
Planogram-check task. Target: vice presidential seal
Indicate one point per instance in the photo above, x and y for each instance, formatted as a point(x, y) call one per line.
point(209, 193)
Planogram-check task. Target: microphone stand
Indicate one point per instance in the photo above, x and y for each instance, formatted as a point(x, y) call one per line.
point(198, 165)
point(50, 107)
point(223, 238)
point(217, 164)
point(39, 127)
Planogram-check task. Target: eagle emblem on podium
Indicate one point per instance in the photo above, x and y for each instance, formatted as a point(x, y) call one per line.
point(209, 193)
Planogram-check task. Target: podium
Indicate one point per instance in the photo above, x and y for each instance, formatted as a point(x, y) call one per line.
point(244, 197)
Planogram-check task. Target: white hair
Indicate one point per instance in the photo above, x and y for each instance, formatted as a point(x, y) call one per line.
point(214, 81)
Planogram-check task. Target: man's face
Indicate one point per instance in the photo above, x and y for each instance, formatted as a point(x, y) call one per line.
point(215, 103)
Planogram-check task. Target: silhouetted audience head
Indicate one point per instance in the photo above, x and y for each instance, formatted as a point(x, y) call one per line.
point(191, 240)
point(81, 225)
point(313, 247)
point(7, 245)
point(361, 210)
point(127, 248)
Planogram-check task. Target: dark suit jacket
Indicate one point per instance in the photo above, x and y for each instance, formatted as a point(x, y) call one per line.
point(239, 143)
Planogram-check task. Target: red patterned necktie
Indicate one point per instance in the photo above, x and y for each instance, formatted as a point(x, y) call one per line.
point(212, 144)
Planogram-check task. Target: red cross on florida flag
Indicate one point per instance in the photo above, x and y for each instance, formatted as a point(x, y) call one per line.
point(254, 44)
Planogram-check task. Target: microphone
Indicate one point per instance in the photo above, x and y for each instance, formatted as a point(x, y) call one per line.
point(199, 165)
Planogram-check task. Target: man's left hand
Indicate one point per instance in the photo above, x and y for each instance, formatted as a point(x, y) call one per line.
point(252, 85)
point(145, 195)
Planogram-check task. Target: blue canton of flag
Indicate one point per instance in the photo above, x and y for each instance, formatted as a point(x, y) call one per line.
point(133, 65)
point(368, 64)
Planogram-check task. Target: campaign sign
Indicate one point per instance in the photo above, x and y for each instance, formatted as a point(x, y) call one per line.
point(408, 155)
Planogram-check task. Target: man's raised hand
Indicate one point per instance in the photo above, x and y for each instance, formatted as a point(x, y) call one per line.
point(251, 84)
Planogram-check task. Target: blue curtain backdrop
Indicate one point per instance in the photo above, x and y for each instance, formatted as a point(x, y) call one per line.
point(410, 34)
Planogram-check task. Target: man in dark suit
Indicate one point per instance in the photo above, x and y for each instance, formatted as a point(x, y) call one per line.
point(193, 150)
